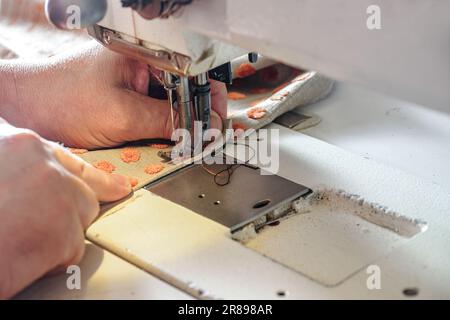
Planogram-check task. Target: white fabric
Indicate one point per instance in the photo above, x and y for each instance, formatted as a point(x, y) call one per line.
point(303, 90)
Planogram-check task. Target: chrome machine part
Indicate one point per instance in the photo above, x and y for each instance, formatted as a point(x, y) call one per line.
point(162, 59)
point(181, 98)
point(202, 100)
point(170, 86)
point(248, 197)
point(62, 12)
point(184, 103)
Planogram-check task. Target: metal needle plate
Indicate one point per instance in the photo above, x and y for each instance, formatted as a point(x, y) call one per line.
point(247, 197)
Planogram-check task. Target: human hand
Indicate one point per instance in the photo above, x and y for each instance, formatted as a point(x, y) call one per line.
point(94, 98)
point(48, 197)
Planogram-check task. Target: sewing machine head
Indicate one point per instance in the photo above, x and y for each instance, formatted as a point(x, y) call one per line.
point(140, 29)
point(186, 44)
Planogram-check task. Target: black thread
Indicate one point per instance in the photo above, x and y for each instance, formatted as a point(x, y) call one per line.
point(230, 169)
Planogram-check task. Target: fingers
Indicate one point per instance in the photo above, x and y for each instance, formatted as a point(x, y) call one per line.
point(75, 252)
point(149, 118)
point(141, 78)
point(146, 118)
point(107, 187)
point(219, 98)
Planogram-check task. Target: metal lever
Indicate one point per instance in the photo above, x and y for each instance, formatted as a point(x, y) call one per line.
point(59, 12)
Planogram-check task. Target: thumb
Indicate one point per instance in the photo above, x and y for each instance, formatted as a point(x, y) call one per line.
point(148, 118)
point(152, 119)
point(107, 187)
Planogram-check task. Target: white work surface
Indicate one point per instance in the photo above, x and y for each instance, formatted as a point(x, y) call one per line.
point(414, 178)
point(103, 276)
point(397, 133)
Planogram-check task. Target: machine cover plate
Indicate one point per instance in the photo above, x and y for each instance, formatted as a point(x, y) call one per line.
point(248, 196)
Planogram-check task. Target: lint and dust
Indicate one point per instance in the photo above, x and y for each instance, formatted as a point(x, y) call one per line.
point(329, 235)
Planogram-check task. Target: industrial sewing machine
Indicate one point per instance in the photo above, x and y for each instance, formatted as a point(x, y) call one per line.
point(188, 60)
point(202, 35)
point(192, 41)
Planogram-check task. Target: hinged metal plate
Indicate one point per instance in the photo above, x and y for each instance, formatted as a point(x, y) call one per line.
point(247, 197)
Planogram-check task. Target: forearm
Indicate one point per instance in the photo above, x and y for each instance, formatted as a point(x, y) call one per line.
point(34, 94)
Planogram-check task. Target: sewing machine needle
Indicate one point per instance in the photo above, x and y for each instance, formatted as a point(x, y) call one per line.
point(170, 86)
